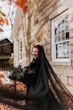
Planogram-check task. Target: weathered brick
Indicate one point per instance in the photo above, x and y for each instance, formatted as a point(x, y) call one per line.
point(70, 81)
point(64, 79)
point(70, 88)
point(71, 33)
point(71, 25)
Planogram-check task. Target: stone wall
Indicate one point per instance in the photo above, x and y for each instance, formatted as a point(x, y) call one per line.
point(34, 27)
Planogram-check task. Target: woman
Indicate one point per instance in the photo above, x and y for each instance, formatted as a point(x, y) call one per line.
point(44, 89)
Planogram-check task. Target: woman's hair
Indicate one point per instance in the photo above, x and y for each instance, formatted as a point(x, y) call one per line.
point(40, 51)
point(38, 47)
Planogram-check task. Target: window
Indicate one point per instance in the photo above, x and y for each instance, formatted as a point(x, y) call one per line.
point(60, 38)
point(20, 50)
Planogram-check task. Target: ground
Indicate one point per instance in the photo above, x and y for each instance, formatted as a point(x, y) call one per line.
point(10, 104)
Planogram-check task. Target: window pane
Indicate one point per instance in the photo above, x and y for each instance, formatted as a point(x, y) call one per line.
point(66, 23)
point(20, 46)
point(62, 29)
point(56, 34)
point(62, 50)
point(66, 49)
point(59, 50)
point(67, 35)
point(63, 36)
point(59, 37)
point(20, 55)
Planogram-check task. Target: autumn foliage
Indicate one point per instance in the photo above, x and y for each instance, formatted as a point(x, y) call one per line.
point(22, 4)
point(3, 21)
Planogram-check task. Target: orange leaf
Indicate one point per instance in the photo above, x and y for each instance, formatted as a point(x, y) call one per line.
point(1, 21)
point(1, 76)
point(6, 21)
point(22, 4)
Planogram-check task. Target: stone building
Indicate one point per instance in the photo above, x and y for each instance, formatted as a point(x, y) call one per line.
point(49, 23)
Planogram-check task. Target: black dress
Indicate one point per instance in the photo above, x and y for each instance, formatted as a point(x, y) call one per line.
point(31, 80)
point(41, 96)
point(44, 89)
point(31, 75)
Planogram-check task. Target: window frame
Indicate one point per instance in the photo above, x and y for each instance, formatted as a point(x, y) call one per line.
point(54, 59)
point(20, 50)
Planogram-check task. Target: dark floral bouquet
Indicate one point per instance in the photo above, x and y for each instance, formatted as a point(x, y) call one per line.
point(24, 75)
point(15, 72)
point(21, 76)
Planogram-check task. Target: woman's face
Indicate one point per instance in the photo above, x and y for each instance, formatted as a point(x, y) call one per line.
point(35, 53)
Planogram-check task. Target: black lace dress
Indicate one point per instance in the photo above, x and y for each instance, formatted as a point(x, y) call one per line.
point(41, 96)
point(44, 88)
point(31, 75)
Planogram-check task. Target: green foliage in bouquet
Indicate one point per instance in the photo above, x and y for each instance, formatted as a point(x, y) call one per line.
point(21, 76)
point(18, 73)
